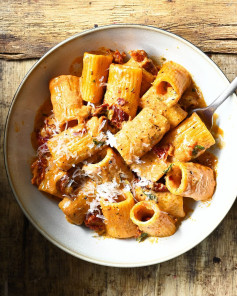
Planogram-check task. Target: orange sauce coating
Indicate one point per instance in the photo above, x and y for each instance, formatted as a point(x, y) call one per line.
point(44, 111)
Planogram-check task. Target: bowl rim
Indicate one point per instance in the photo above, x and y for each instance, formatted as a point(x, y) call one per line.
point(28, 215)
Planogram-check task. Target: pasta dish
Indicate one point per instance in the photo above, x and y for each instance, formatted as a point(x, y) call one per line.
point(118, 149)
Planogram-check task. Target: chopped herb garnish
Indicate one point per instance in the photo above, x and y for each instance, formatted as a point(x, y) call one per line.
point(151, 196)
point(169, 167)
point(193, 90)
point(196, 149)
point(142, 237)
point(98, 143)
point(93, 80)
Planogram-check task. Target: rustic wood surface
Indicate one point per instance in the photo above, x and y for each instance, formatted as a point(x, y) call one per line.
point(30, 27)
point(29, 264)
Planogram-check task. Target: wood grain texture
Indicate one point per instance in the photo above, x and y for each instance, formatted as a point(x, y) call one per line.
point(30, 265)
point(31, 27)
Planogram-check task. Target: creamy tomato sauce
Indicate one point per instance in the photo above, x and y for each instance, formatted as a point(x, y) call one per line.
point(44, 111)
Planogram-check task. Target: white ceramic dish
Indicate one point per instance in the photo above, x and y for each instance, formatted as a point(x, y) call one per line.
point(44, 213)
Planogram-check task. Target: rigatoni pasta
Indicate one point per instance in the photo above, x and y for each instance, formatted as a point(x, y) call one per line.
point(110, 167)
point(191, 180)
point(151, 166)
point(94, 76)
point(123, 88)
point(66, 99)
point(140, 135)
point(77, 143)
point(117, 216)
point(49, 183)
point(190, 139)
point(140, 59)
point(151, 220)
point(118, 145)
point(175, 114)
point(168, 202)
point(75, 209)
point(171, 82)
point(171, 203)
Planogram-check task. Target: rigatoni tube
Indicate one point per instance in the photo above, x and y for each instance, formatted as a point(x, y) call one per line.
point(175, 114)
point(117, 216)
point(190, 139)
point(147, 77)
point(94, 76)
point(153, 164)
point(151, 167)
point(77, 143)
point(171, 82)
point(109, 166)
point(75, 209)
point(65, 97)
point(140, 135)
point(151, 220)
point(123, 88)
point(49, 183)
point(191, 180)
point(171, 203)
point(167, 202)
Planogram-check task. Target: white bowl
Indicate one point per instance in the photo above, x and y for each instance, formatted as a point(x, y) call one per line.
point(44, 212)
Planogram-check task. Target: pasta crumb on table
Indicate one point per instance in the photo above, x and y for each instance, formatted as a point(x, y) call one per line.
point(118, 149)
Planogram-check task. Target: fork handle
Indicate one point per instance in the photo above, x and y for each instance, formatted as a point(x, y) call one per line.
point(226, 93)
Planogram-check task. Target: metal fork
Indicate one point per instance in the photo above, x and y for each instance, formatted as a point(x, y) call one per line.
point(206, 114)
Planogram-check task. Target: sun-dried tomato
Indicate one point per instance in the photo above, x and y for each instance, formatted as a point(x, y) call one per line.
point(118, 57)
point(100, 110)
point(38, 168)
point(163, 151)
point(149, 66)
point(140, 56)
point(118, 116)
point(159, 187)
point(41, 140)
point(63, 183)
point(95, 223)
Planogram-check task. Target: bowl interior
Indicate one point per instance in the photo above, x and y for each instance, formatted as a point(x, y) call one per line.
point(44, 213)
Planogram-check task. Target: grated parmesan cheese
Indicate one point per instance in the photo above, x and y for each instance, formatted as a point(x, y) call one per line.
point(42, 149)
point(108, 191)
point(111, 140)
point(102, 124)
point(91, 104)
point(56, 123)
point(137, 160)
point(142, 182)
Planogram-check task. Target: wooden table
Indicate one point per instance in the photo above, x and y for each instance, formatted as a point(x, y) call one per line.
point(29, 264)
